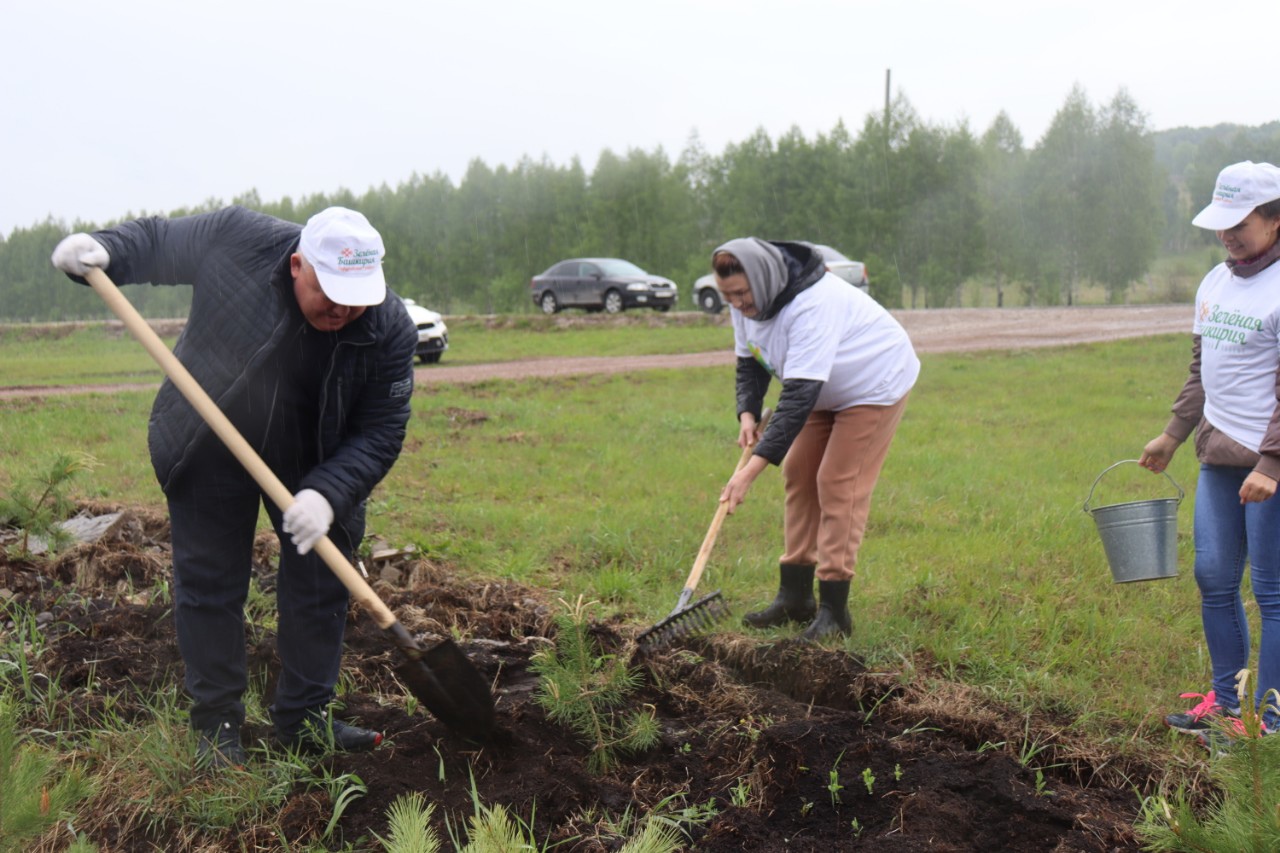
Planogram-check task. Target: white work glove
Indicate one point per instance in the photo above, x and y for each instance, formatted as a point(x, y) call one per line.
point(78, 252)
point(307, 519)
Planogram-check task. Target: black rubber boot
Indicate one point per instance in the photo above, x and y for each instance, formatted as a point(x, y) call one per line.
point(318, 734)
point(219, 747)
point(833, 612)
point(794, 602)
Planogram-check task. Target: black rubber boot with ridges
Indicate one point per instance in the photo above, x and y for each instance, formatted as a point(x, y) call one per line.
point(794, 602)
point(833, 617)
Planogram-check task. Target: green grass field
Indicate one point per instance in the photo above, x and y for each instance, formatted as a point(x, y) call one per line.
point(978, 560)
point(102, 353)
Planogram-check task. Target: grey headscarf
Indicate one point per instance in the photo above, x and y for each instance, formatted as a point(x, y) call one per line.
point(764, 265)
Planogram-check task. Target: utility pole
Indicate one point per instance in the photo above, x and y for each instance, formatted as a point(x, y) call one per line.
point(884, 151)
point(886, 101)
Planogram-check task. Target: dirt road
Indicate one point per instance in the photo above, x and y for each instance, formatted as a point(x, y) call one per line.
point(932, 330)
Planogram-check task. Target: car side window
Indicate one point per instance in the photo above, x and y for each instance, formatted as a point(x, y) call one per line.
point(587, 270)
point(564, 269)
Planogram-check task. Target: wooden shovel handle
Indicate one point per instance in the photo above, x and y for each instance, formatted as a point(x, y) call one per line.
point(709, 541)
point(222, 426)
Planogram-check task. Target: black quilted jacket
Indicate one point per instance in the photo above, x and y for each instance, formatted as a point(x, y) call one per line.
point(233, 259)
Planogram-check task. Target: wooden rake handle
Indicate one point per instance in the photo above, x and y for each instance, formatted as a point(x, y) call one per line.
point(709, 541)
point(222, 426)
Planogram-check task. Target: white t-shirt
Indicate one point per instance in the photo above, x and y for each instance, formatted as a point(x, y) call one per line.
point(1238, 321)
point(835, 333)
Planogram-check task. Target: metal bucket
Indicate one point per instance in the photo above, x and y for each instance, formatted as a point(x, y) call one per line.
point(1140, 537)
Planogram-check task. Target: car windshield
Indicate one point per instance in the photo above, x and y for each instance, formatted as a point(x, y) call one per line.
point(612, 266)
point(831, 256)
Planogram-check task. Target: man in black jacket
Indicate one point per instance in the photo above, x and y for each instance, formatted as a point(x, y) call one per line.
point(292, 333)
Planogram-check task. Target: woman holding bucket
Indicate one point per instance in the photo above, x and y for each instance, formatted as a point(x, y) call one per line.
point(1230, 400)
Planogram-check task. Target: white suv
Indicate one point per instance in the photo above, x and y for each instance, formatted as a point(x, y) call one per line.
point(433, 334)
point(854, 272)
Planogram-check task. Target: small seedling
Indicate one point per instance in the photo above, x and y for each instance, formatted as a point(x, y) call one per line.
point(700, 812)
point(805, 808)
point(160, 593)
point(833, 780)
point(740, 794)
point(856, 827)
point(753, 727)
point(440, 765)
point(897, 772)
point(869, 779)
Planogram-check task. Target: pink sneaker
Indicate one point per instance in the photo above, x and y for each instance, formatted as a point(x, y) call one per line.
point(1200, 718)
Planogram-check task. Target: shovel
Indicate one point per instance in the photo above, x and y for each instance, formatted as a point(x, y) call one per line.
point(686, 618)
point(441, 677)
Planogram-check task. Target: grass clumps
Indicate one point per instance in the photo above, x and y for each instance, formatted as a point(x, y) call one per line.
point(35, 793)
point(589, 692)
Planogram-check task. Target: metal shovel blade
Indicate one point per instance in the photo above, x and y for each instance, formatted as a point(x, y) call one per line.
point(467, 706)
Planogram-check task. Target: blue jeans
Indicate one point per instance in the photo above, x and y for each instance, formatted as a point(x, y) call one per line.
point(1226, 535)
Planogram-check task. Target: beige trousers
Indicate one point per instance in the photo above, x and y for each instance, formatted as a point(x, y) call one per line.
point(829, 474)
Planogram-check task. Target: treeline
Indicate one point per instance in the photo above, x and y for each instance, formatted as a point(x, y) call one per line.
point(1094, 202)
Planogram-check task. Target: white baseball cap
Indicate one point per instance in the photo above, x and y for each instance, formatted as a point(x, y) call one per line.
point(346, 253)
point(1241, 187)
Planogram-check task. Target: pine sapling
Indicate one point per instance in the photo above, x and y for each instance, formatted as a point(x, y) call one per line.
point(590, 692)
point(38, 508)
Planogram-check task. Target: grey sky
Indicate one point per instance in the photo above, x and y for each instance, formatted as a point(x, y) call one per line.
point(147, 105)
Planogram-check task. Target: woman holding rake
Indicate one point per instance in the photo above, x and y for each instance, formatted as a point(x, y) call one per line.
point(846, 367)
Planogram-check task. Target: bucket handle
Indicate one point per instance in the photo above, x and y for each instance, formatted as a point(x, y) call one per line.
point(1181, 493)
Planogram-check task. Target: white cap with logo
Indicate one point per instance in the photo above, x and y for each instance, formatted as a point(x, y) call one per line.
point(346, 253)
point(1241, 187)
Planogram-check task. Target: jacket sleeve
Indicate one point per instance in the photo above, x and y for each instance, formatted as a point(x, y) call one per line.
point(154, 250)
point(752, 381)
point(1269, 451)
point(794, 405)
point(157, 250)
point(378, 416)
point(1188, 408)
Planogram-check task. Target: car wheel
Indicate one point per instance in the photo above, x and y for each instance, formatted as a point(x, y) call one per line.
point(612, 302)
point(709, 301)
point(548, 303)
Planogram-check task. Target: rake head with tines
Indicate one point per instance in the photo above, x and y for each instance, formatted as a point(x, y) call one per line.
point(686, 620)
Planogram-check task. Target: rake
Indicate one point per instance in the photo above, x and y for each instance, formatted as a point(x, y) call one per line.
point(687, 619)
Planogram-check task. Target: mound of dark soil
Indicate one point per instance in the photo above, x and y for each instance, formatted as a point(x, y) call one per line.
point(771, 747)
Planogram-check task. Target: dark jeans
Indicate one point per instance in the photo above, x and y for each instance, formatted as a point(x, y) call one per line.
point(213, 512)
